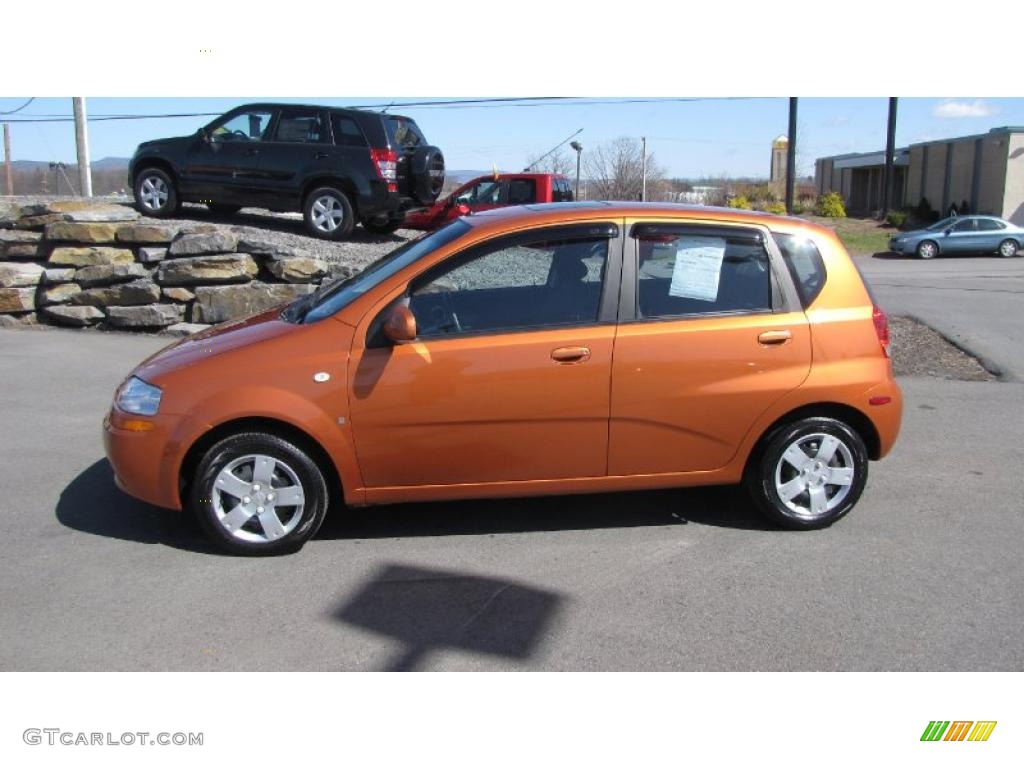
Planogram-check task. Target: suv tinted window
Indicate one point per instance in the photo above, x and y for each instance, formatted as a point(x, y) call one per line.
point(805, 266)
point(403, 132)
point(300, 125)
point(245, 126)
point(513, 287)
point(347, 132)
point(682, 274)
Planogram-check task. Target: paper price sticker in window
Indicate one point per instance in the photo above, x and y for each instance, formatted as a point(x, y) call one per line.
point(698, 268)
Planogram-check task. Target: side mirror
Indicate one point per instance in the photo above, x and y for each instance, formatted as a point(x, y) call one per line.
point(400, 325)
point(948, 231)
point(462, 209)
point(204, 135)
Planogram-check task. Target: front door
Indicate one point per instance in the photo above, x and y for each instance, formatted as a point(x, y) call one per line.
point(961, 237)
point(509, 377)
point(222, 167)
point(708, 342)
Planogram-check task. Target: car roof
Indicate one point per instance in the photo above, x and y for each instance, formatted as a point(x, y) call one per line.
point(567, 212)
point(278, 104)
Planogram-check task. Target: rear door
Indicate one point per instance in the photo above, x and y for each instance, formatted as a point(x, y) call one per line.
point(990, 234)
point(711, 334)
point(298, 147)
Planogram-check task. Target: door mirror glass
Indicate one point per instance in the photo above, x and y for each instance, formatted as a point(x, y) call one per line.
point(400, 325)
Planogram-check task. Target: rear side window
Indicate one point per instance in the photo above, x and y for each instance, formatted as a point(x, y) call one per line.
point(522, 191)
point(805, 265)
point(685, 274)
point(561, 192)
point(300, 126)
point(990, 225)
point(346, 132)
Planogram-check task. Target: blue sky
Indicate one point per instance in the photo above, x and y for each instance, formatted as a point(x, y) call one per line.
point(688, 139)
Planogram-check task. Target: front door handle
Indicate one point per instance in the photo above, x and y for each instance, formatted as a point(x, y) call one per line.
point(775, 337)
point(253, 152)
point(320, 155)
point(570, 354)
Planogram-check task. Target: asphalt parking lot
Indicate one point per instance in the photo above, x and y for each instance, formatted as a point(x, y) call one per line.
point(924, 575)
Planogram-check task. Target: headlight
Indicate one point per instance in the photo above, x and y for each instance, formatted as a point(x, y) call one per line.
point(138, 397)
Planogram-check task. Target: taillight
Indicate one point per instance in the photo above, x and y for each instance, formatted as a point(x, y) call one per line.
point(881, 321)
point(386, 161)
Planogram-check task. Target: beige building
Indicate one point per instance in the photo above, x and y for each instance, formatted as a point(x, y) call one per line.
point(780, 158)
point(986, 171)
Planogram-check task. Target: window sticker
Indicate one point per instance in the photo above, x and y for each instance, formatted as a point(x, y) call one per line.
point(698, 268)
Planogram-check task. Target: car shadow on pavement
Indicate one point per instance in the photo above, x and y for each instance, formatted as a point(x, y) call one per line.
point(721, 506)
point(92, 503)
point(427, 609)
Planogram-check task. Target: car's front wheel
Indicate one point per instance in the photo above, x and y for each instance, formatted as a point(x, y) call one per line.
point(926, 249)
point(155, 193)
point(258, 494)
point(1008, 248)
point(809, 474)
point(328, 214)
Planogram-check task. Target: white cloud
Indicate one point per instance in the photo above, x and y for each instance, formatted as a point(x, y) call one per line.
point(976, 108)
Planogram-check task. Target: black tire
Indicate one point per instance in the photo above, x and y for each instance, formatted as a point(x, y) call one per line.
point(384, 225)
point(212, 503)
point(927, 249)
point(762, 483)
point(223, 210)
point(1008, 248)
point(155, 193)
point(328, 214)
point(426, 167)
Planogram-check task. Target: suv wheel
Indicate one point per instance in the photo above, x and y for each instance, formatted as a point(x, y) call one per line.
point(328, 214)
point(810, 473)
point(155, 194)
point(257, 494)
point(384, 225)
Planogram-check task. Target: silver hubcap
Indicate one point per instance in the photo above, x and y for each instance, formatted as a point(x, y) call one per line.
point(927, 250)
point(327, 213)
point(258, 498)
point(1008, 249)
point(154, 193)
point(814, 475)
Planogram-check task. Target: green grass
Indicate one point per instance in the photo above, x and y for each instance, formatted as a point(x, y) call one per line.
point(862, 237)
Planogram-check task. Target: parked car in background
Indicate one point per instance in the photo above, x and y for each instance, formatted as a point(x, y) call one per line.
point(961, 235)
point(337, 166)
point(494, 191)
point(532, 350)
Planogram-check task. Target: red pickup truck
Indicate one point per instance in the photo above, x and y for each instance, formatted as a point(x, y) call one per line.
point(492, 191)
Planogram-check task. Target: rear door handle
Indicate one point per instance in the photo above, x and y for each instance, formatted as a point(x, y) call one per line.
point(253, 152)
point(570, 354)
point(320, 155)
point(775, 337)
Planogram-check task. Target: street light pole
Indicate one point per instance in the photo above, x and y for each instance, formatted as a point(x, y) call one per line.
point(579, 152)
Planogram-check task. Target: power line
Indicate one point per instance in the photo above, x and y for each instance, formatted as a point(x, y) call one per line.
point(13, 111)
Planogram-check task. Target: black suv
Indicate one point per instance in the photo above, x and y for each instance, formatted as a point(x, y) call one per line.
point(337, 166)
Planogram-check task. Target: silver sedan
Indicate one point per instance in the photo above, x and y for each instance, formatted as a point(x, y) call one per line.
point(961, 234)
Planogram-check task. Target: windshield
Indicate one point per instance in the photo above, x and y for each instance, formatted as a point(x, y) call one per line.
point(942, 224)
point(326, 301)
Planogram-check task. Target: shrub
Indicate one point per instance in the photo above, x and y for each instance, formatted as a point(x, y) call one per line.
point(896, 219)
point(777, 208)
point(831, 206)
point(738, 201)
point(799, 209)
point(924, 209)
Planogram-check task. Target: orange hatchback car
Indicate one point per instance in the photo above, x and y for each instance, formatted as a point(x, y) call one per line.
point(536, 350)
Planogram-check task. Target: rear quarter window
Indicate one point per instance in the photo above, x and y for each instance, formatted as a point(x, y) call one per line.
point(805, 265)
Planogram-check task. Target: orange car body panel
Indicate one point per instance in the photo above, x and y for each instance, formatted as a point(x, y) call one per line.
point(654, 404)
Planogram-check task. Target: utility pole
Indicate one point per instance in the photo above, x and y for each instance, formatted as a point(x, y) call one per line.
point(791, 156)
point(8, 178)
point(643, 169)
point(578, 147)
point(889, 177)
point(82, 141)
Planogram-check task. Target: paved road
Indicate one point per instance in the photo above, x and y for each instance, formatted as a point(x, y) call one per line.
point(977, 301)
point(925, 574)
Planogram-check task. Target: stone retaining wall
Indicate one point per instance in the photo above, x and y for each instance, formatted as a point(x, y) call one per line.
point(76, 263)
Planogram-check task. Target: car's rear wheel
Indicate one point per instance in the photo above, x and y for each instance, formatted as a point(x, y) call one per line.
point(927, 249)
point(809, 474)
point(155, 193)
point(328, 214)
point(383, 225)
point(1008, 248)
point(258, 494)
point(222, 209)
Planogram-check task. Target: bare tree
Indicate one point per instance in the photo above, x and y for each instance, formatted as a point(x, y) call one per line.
point(559, 161)
point(615, 171)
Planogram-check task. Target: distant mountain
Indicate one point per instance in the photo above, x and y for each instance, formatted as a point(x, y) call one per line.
point(105, 164)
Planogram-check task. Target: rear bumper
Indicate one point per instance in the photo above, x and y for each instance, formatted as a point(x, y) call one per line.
point(883, 404)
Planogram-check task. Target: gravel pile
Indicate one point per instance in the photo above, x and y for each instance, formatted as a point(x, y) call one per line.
point(917, 350)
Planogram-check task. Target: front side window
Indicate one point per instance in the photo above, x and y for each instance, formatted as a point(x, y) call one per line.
point(966, 225)
point(303, 126)
point(534, 284)
point(489, 192)
point(245, 126)
point(684, 274)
